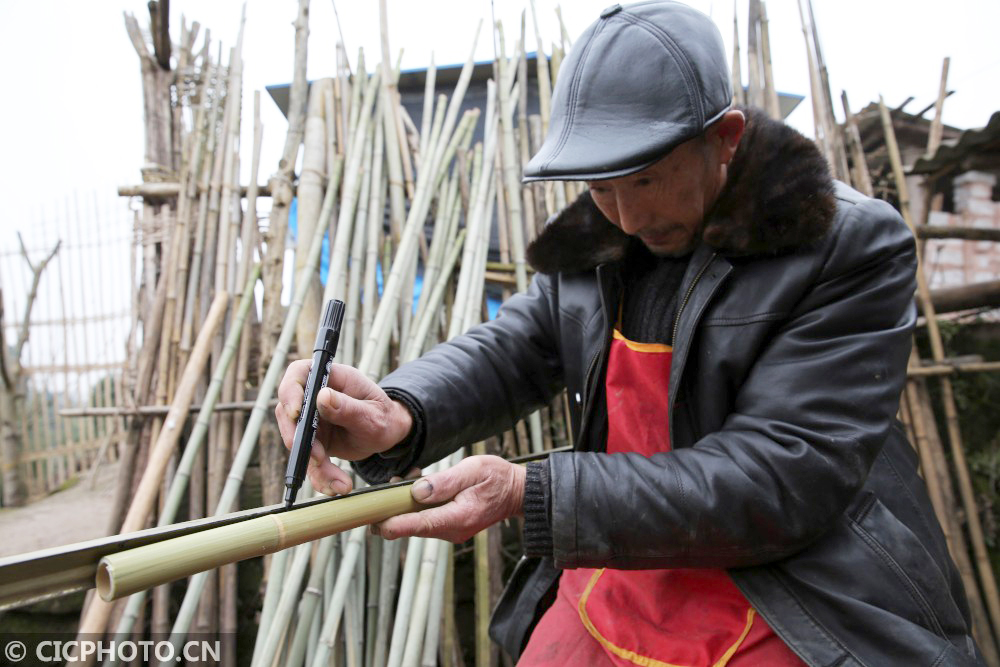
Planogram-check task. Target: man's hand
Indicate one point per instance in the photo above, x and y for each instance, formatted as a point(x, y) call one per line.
point(356, 420)
point(481, 489)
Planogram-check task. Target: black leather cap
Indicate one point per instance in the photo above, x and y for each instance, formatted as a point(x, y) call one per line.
point(639, 81)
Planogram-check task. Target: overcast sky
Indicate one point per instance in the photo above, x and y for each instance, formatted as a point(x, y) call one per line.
point(72, 113)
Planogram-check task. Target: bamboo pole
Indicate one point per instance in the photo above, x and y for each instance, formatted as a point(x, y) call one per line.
point(334, 610)
point(862, 179)
point(739, 97)
point(138, 569)
point(987, 579)
point(770, 92)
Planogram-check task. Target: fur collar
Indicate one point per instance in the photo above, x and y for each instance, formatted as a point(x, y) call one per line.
point(778, 197)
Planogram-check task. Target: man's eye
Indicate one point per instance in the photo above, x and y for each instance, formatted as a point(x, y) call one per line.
point(642, 182)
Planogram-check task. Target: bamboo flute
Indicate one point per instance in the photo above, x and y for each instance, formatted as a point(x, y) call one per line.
point(337, 275)
point(171, 505)
point(268, 384)
point(987, 579)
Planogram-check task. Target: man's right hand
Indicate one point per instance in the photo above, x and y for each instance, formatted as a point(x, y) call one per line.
point(356, 419)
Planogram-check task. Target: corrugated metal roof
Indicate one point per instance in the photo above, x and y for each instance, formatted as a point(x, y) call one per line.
point(983, 144)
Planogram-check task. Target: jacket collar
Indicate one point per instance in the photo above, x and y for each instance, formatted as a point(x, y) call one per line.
point(778, 197)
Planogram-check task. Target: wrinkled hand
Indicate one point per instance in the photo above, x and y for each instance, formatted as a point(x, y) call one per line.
point(356, 420)
point(481, 489)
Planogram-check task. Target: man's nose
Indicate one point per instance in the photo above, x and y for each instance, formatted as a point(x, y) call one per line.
point(631, 217)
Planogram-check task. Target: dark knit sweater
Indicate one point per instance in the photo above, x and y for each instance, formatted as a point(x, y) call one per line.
point(651, 286)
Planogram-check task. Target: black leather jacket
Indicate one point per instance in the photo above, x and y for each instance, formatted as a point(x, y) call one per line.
point(791, 342)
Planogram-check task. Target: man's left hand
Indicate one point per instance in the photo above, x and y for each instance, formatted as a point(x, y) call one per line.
point(477, 492)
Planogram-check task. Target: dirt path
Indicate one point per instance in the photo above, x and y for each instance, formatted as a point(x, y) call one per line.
point(74, 515)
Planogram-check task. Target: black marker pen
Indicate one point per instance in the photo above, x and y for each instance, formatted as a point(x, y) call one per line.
point(305, 431)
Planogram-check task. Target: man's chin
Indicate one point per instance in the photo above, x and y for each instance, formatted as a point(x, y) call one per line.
point(675, 250)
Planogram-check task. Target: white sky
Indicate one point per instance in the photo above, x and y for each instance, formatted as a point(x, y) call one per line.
point(71, 118)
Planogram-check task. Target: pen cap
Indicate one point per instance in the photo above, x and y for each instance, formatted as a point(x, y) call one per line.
point(329, 326)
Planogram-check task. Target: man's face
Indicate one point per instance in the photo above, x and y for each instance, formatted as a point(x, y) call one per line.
point(665, 204)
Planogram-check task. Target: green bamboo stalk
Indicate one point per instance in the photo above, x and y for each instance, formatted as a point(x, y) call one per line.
point(375, 544)
point(386, 596)
point(126, 572)
point(336, 280)
point(352, 327)
point(378, 342)
point(272, 593)
point(421, 603)
point(328, 633)
point(276, 630)
point(404, 605)
point(425, 120)
point(434, 613)
point(376, 207)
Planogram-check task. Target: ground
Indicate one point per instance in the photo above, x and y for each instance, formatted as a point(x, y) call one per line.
point(75, 514)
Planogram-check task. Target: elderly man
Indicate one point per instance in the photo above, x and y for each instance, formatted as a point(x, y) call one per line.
point(733, 329)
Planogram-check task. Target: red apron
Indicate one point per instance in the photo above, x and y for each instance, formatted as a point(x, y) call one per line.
point(653, 618)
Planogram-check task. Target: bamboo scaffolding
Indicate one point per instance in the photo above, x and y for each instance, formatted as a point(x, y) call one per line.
point(983, 565)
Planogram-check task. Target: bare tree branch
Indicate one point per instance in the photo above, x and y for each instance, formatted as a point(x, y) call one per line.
point(37, 270)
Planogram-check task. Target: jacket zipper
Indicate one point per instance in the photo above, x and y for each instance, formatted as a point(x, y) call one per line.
point(687, 297)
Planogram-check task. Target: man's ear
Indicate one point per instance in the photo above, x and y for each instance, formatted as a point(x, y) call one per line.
point(729, 130)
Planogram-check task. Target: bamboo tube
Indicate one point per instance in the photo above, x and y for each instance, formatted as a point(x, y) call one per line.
point(141, 568)
point(984, 567)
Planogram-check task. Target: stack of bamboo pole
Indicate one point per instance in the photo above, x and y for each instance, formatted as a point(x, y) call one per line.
point(350, 598)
